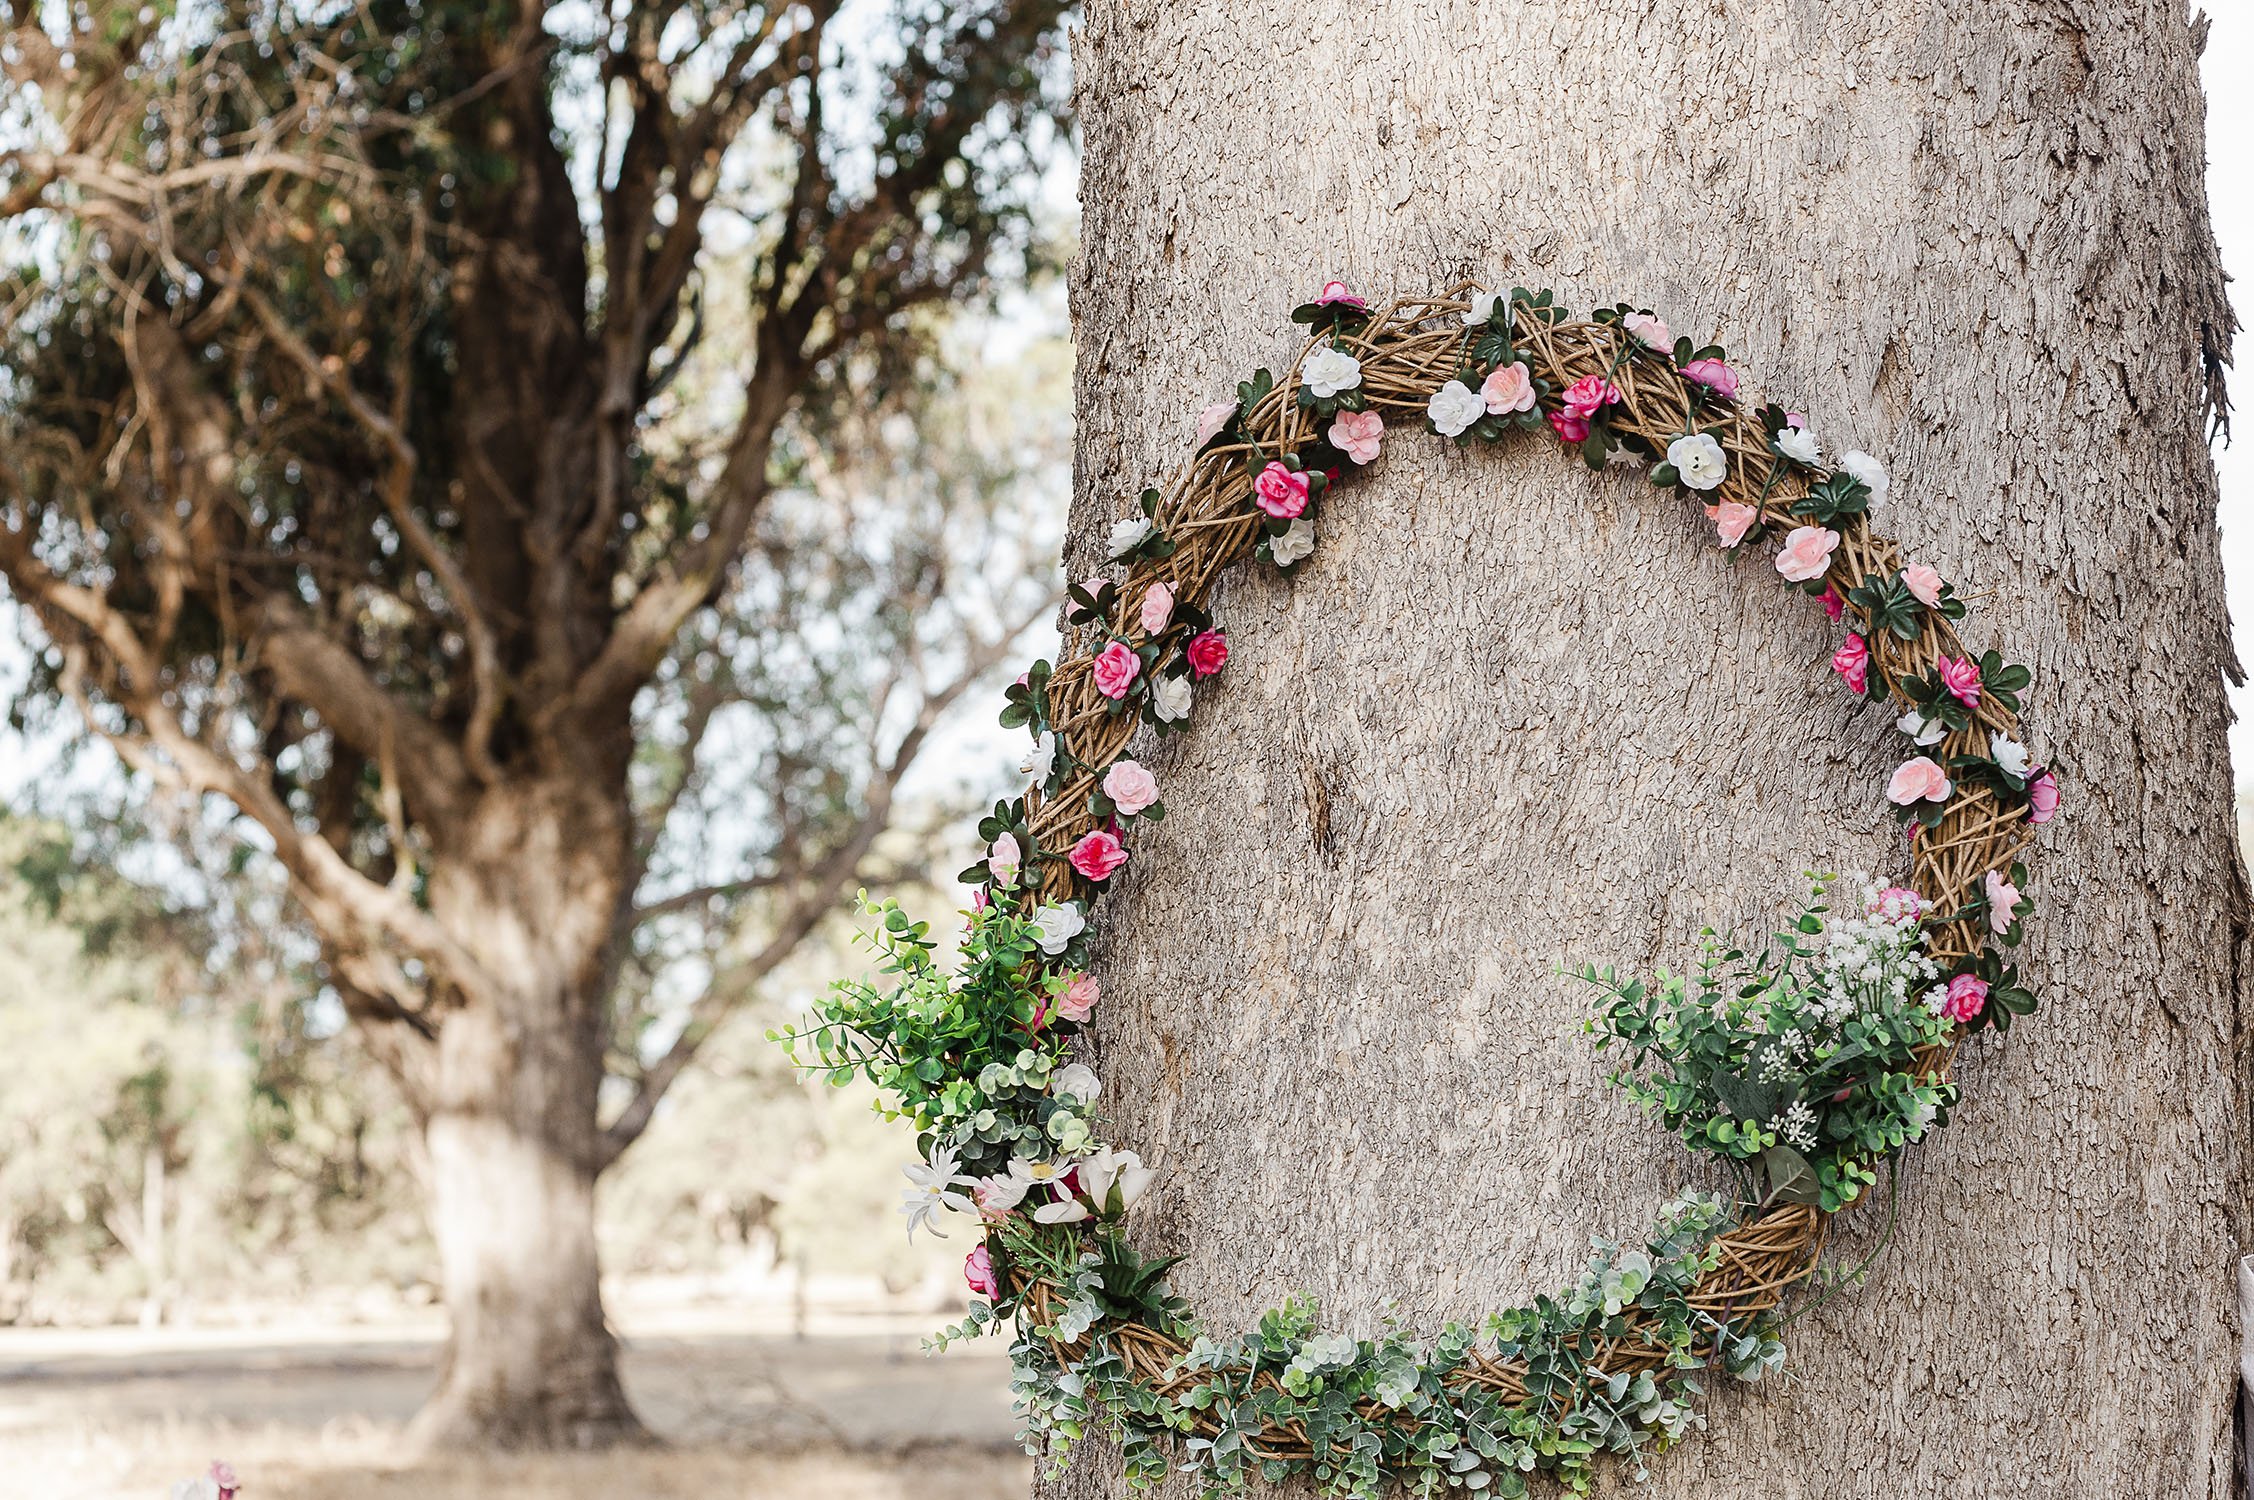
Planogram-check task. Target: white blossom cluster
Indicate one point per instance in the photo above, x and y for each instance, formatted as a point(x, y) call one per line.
point(1872, 958)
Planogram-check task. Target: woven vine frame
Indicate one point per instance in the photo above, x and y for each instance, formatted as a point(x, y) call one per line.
point(1407, 350)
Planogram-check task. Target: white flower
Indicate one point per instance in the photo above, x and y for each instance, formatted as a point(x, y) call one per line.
point(204, 1488)
point(1454, 407)
point(1869, 470)
point(1698, 458)
point(1076, 1081)
point(1799, 443)
point(934, 1189)
point(1922, 730)
point(1329, 369)
point(1127, 535)
point(1058, 925)
point(1063, 1211)
point(1028, 1173)
point(1170, 699)
point(2008, 753)
point(1040, 762)
point(1001, 1193)
point(1107, 1169)
point(1482, 308)
point(1294, 544)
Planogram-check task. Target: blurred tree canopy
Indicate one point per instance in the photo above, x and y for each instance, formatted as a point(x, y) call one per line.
point(488, 446)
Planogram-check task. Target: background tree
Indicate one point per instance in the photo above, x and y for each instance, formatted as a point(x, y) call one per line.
point(1508, 716)
point(368, 468)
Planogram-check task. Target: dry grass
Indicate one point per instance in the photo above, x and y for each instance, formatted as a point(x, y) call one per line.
point(122, 1464)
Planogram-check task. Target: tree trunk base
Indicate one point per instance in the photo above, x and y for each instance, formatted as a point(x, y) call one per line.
point(531, 1362)
point(580, 1420)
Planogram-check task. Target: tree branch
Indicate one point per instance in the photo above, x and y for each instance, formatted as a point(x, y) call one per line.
point(817, 899)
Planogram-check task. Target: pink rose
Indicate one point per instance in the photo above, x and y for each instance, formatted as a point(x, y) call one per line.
point(1569, 428)
point(1338, 291)
point(1509, 388)
point(1130, 787)
point(2042, 797)
point(1968, 996)
point(1897, 902)
point(1961, 676)
point(978, 1271)
point(1732, 520)
point(1807, 553)
point(1356, 434)
point(1211, 420)
point(1025, 679)
point(1924, 584)
point(1590, 395)
point(1651, 332)
point(1280, 492)
point(1835, 608)
point(1116, 669)
point(1208, 652)
point(1918, 780)
point(1079, 998)
point(1158, 607)
point(2003, 900)
point(1002, 858)
point(1098, 854)
point(1714, 375)
point(1852, 661)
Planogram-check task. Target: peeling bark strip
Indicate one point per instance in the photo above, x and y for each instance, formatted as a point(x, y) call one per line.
point(1973, 235)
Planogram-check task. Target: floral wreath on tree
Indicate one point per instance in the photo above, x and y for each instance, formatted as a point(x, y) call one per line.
point(1806, 1063)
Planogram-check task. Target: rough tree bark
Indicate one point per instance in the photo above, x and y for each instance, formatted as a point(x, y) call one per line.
point(1513, 714)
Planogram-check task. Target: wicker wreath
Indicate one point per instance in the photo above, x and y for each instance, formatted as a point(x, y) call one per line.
point(978, 1055)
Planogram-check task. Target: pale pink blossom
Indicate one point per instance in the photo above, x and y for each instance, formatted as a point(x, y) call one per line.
point(1357, 434)
point(1338, 291)
point(978, 1274)
point(1651, 332)
point(1079, 998)
point(1508, 388)
point(1158, 607)
point(1924, 584)
point(1002, 857)
point(2003, 900)
point(2042, 797)
point(1714, 375)
point(1807, 553)
point(1116, 669)
point(1852, 661)
point(1098, 854)
point(1732, 520)
point(1211, 420)
point(1919, 779)
point(1280, 492)
point(1130, 787)
point(1968, 996)
point(1961, 676)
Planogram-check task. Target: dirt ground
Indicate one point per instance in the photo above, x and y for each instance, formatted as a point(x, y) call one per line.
point(853, 1411)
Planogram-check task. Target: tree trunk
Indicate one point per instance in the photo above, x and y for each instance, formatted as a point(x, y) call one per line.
point(529, 1361)
point(1512, 713)
point(509, 1110)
